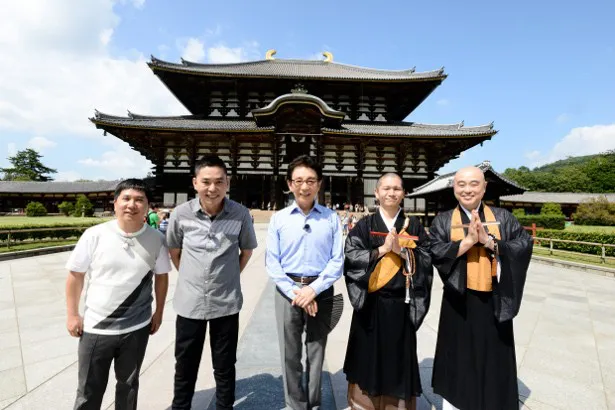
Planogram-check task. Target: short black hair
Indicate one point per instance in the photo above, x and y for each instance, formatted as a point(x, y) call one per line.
point(132, 183)
point(209, 161)
point(303, 161)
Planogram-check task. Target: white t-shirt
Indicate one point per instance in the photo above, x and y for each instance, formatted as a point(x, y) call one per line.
point(120, 267)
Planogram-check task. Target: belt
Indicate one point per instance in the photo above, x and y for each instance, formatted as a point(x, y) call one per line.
point(302, 280)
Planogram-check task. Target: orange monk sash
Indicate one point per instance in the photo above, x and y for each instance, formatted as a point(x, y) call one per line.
point(388, 266)
point(481, 268)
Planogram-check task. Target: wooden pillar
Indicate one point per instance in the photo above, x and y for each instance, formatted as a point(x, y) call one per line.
point(263, 205)
point(349, 190)
point(331, 191)
point(275, 165)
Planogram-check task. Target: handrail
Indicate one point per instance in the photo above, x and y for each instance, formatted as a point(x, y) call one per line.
point(579, 242)
point(602, 246)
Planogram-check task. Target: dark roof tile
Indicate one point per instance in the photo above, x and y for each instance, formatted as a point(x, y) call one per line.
point(300, 69)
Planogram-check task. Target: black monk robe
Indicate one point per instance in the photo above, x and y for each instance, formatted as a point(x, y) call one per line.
point(381, 355)
point(475, 364)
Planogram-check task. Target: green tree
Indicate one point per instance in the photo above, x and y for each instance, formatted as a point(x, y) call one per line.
point(595, 211)
point(551, 208)
point(67, 208)
point(518, 212)
point(27, 166)
point(600, 171)
point(83, 206)
point(35, 209)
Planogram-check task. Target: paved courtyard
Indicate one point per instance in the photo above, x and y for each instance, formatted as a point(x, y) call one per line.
point(565, 337)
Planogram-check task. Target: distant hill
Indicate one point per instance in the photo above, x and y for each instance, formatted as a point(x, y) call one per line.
point(567, 162)
point(589, 173)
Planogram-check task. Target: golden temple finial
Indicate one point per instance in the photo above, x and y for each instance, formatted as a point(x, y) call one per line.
point(328, 56)
point(270, 53)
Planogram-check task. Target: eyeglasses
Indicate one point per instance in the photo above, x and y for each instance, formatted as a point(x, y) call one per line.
point(300, 182)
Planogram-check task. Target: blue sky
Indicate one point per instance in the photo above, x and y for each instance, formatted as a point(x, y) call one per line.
point(544, 71)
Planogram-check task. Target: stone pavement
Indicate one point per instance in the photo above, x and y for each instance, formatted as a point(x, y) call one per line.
point(565, 336)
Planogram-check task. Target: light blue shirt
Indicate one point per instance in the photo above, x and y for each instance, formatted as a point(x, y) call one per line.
point(294, 249)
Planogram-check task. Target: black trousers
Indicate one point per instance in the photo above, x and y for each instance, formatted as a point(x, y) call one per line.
point(96, 352)
point(189, 341)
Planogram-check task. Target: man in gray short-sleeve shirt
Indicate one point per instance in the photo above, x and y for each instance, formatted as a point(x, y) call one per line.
point(210, 239)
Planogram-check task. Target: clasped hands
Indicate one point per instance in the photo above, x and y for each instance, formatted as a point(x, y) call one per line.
point(476, 231)
point(391, 243)
point(305, 299)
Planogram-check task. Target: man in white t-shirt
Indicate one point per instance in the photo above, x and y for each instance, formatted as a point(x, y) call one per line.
point(120, 257)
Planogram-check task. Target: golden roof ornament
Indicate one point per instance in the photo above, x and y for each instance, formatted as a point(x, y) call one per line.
point(299, 89)
point(328, 57)
point(270, 53)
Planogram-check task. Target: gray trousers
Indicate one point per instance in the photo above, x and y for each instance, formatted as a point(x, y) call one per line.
point(291, 321)
point(96, 352)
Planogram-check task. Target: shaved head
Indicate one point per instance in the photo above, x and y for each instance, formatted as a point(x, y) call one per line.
point(470, 172)
point(389, 175)
point(469, 186)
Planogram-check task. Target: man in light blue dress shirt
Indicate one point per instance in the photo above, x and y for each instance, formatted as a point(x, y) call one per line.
point(305, 257)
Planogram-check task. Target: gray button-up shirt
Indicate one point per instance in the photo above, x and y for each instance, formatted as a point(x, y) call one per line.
point(208, 285)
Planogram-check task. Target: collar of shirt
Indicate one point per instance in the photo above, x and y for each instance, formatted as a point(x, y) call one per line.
point(392, 224)
point(119, 230)
point(469, 213)
point(196, 206)
point(295, 208)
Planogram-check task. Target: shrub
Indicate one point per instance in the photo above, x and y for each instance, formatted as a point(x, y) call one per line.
point(22, 232)
point(543, 221)
point(596, 237)
point(35, 209)
point(518, 213)
point(67, 208)
point(551, 208)
point(83, 206)
point(595, 211)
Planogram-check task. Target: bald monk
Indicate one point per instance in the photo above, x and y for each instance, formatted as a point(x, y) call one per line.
point(388, 276)
point(482, 254)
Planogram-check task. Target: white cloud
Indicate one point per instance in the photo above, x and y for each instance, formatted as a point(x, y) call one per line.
point(60, 70)
point(581, 141)
point(215, 32)
point(225, 55)
point(532, 155)
point(443, 102)
point(105, 36)
point(121, 162)
point(221, 54)
point(316, 56)
point(67, 176)
point(138, 3)
point(562, 118)
point(11, 148)
point(193, 50)
point(41, 143)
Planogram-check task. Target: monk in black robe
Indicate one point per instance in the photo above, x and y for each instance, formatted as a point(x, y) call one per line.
point(389, 278)
point(482, 254)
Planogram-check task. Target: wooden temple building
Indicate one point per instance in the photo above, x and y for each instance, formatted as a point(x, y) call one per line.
point(259, 115)
point(438, 195)
point(15, 195)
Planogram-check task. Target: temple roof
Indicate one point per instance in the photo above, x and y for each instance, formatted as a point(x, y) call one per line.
point(556, 197)
point(77, 187)
point(296, 69)
point(197, 123)
point(182, 122)
point(445, 181)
